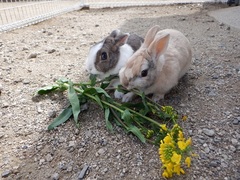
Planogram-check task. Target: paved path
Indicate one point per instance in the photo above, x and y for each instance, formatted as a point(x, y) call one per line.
point(230, 16)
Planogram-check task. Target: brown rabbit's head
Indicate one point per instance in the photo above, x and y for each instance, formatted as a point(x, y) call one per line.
point(141, 69)
point(107, 57)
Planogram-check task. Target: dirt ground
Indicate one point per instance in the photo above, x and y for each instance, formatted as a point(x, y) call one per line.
point(35, 56)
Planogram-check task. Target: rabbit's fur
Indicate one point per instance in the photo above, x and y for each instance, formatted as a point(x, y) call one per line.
point(108, 56)
point(164, 57)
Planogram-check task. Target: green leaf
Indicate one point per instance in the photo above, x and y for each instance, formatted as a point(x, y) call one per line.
point(98, 100)
point(107, 115)
point(104, 85)
point(74, 101)
point(90, 90)
point(126, 116)
point(62, 80)
point(137, 132)
point(47, 89)
point(93, 79)
point(146, 108)
point(63, 117)
point(102, 91)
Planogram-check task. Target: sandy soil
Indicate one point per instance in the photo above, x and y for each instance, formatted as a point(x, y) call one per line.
point(209, 95)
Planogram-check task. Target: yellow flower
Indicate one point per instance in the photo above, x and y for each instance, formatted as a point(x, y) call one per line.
point(177, 169)
point(189, 141)
point(163, 108)
point(172, 149)
point(181, 136)
point(164, 127)
point(165, 174)
point(168, 139)
point(182, 145)
point(176, 158)
point(176, 126)
point(149, 134)
point(169, 167)
point(165, 152)
point(184, 117)
point(188, 161)
point(194, 155)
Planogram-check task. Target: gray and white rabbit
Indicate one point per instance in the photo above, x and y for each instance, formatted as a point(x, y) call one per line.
point(155, 68)
point(108, 56)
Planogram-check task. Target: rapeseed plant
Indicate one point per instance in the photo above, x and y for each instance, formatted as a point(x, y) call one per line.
point(174, 152)
point(174, 147)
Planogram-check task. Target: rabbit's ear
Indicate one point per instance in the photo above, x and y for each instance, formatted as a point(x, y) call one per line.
point(158, 46)
point(151, 35)
point(121, 39)
point(114, 33)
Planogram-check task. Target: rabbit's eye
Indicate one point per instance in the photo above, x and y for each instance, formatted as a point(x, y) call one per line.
point(104, 56)
point(144, 73)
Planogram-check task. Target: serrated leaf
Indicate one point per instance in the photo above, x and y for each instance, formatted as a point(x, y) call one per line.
point(74, 101)
point(47, 89)
point(63, 117)
point(107, 116)
point(137, 132)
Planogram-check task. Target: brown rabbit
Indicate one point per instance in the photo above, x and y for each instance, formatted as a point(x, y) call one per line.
point(109, 55)
point(164, 57)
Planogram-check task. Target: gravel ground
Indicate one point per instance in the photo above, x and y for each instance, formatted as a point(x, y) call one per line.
point(37, 55)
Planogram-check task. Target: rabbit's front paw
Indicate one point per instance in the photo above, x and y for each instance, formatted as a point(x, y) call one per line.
point(118, 95)
point(157, 97)
point(128, 97)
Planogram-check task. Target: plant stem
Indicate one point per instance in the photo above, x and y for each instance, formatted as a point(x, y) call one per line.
point(115, 105)
point(119, 120)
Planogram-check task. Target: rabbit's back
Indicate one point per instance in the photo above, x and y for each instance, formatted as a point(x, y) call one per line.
point(179, 50)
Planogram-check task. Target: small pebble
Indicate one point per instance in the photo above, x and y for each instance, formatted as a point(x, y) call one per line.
point(69, 168)
point(39, 108)
point(1, 88)
point(6, 173)
point(105, 170)
point(62, 165)
point(25, 49)
point(32, 55)
point(5, 104)
point(41, 161)
point(50, 51)
point(25, 81)
point(49, 157)
point(55, 176)
point(101, 151)
point(221, 24)
point(71, 144)
point(83, 172)
point(234, 141)
point(52, 114)
point(232, 148)
point(235, 121)
point(214, 164)
point(208, 132)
